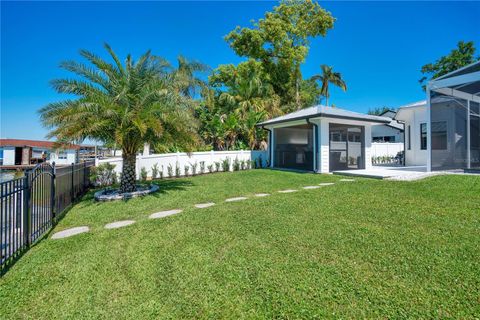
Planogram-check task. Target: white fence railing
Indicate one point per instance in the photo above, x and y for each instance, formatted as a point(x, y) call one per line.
point(385, 149)
point(181, 160)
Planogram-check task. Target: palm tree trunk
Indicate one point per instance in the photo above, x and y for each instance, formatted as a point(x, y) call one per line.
point(128, 173)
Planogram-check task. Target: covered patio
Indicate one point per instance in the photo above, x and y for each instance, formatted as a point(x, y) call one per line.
point(453, 107)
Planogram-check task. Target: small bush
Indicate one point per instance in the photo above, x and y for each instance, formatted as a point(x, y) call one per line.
point(170, 170)
point(143, 174)
point(217, 166)
point(177, 170)
point(226, 164)
point(243, 165)
point(194, 168)
point(186, 170)
point(154, 171)
point(236, 165)
point(248, 164)
point(103, 175)
point(161, 173)
point(202, 167)
point(210, 168)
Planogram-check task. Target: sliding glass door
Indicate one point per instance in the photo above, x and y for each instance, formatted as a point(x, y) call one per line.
point(347, 145)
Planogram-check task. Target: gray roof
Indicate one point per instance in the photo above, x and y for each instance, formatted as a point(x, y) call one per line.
point(326, 112)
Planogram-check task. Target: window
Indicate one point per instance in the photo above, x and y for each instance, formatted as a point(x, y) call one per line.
point(384, 139)
point(409, 136)
point(439, 135)
point(423, 136)
point(62, 156)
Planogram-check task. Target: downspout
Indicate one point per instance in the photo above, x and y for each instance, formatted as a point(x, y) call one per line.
point(315, 145)
point(270, 147)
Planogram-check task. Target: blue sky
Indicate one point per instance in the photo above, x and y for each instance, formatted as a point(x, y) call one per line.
point(379, 47)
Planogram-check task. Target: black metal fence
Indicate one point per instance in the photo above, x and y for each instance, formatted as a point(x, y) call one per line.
point(32, 204)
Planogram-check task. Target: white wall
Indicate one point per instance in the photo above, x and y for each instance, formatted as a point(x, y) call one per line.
point(9, 156)
point(380, 149)
point(413, 117)
point(166, 159)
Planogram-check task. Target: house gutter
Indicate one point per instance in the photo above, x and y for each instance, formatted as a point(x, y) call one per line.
point(270, 147)
point(319, 115)
point(315, 146)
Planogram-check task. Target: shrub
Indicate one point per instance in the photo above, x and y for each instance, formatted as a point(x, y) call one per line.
point(243, 165)
point(210, 168)
point(226, 164)
point(217, 166)
point(103, 175)
point(161, 173)
point(143, 174)
point(170, 170)
point(248, 164)
point(194, 168)
point(202, 167)
point(154, 171)
point(186, 170)
point(236, 165)
point(177, 170)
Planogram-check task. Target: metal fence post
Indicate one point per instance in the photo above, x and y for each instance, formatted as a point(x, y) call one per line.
point(52, 191)
point(26, 205)
point(72, 193)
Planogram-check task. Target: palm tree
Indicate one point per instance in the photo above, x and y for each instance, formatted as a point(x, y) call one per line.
point(329, 76)
point(186, 75)
point(127, 104)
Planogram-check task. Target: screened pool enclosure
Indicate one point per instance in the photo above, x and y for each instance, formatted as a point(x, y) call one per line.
point(453, 102)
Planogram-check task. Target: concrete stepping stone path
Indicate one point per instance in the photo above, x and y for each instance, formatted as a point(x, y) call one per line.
point(204, 205)
point(288, 191)
point(326, 184)
point(347, 180)
point(311, 187)
point(163, 214)
point(262, 195)
point(70, 232)
point(235, 199)
point(119, 224)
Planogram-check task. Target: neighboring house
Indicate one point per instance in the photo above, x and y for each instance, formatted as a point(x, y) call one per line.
point(391, 132)
point(27, 152)
point(415, 118)
point(321, 139)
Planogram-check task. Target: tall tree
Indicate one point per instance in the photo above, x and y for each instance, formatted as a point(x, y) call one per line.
point(127, 104)
point(186, 74)
point(327, 77)
point(281, 42)
point(459, 57)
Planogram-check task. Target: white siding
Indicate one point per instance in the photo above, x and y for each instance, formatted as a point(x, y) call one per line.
point(9, 156)
point(413, 117)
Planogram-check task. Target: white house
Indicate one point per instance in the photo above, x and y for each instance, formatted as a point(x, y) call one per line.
point(391, 132)
point(321, 139)
point(414, 117)
point(27, 152)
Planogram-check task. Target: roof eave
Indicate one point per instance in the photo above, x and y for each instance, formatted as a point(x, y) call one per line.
point(320, 115)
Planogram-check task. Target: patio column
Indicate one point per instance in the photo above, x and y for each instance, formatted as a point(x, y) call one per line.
point(469, 146)
point(429, 132)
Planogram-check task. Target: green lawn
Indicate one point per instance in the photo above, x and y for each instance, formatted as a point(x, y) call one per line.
point(363, 249)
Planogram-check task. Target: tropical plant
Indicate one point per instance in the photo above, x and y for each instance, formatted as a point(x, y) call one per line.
point(103, 175)
point(217, 166)
point(202, 167)
point(170, 170)
point(186, 170)
point(236, 165)
point(194, 168)
point(226, 164)
point(154, 171)
point(127, 104)
point(143, 174)
point(210, 168)
point(327, 77)
point(177, 169)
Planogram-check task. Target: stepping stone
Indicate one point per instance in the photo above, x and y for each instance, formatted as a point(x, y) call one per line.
point(119, 224)
point(311, 187)
point(163, 214)
point(236, 199)
point(288, 191)
point(69, 232)
point(262, 194)
point(326, 184)
point(204, 205)
point(347, 180)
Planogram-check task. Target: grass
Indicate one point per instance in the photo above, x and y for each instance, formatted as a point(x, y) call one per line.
point(363, 249)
